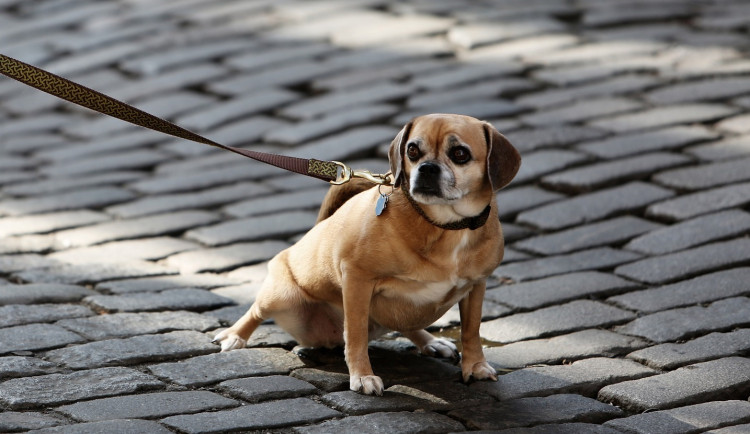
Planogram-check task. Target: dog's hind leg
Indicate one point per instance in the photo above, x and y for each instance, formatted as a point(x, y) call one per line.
point(277, 296)
point(431, 346)
point(236, 336)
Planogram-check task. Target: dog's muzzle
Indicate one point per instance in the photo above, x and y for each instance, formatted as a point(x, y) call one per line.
point(427, 181)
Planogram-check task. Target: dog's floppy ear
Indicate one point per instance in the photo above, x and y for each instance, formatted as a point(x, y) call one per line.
point(396, 153)
point(503, 160)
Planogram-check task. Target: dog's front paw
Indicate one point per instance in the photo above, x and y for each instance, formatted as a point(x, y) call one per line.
point(442, 348)
point(480, 371)
point(368, 385)
point(229, 340)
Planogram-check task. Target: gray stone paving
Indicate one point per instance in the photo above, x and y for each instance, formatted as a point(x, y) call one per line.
point(623, 303)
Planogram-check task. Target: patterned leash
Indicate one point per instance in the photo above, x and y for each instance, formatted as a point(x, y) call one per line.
point(332, 171)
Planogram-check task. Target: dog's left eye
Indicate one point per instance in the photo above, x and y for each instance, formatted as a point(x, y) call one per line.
point(459, 155)
point(413, 152)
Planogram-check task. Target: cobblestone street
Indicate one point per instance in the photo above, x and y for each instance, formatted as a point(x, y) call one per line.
point(623, 302)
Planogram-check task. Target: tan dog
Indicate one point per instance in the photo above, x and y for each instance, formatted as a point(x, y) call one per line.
point(356, 275)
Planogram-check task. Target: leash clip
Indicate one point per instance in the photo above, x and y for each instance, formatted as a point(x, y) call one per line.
point(347, 173)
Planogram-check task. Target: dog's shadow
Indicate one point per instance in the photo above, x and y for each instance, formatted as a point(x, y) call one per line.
point(396, 360)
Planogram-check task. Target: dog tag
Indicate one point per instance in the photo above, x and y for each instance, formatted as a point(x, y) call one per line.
point(381, 204)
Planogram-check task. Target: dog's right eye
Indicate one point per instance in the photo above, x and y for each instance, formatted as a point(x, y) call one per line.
point(413, 152)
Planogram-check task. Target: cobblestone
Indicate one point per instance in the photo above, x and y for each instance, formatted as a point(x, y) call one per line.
point(258, 389)
point(688, 419)
point(499, 87)
point(53, 185)
point(305, 199)
point(161, 283)
point(584, 377)
point(18, 366)
point(171, 299)
point(48, 222)
point(254, 416)
point(705, 90)
point(592, 259)
point(581, 111)
point(55, 389)
point(35, 337)
point(543, 162)
point(93, 197)
point(607, 232)
point(256, 102)
point(688, 263)
point(513, 200)
point(207, 199)
point(705, 176)
point(693, 232)
point(333, 122)
point(725, 378)
point(224, 258)
point(562, 428)
point(557, 289)
point(392, 422)
point(249, 229)
point(42, 293)
point(658, 140)
point(160, 224)
point(475, 35)
point(213, 368)
point(702, 202)
point(129, 351)
point(91, 273)
point(736, 124)
point(625, 228)
point(533, 411)
point(598, 175)
point(594, 206)
point(573, 346)
point(118, 251)
point(665, 116)
point(14, 421)
point(569, 317)
point(352, 403)
point(708, 347)
point(150, 405)
point(614, 86)
point(675, 324)
point(13, 315)
point(126, 426)
point(730, 147)
point(729, 283)
point(550, 137)
point(121, 325)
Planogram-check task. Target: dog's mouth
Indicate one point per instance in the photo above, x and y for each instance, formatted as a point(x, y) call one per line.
point(427, 189)
point(427, 181)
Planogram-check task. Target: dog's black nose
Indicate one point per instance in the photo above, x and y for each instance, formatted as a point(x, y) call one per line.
point(429, 168)
point(428, 179)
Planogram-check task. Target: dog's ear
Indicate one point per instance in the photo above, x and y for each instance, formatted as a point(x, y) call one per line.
point(396, 153)
point(503, 160)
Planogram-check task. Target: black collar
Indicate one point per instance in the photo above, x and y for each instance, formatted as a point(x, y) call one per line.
point(468, 223)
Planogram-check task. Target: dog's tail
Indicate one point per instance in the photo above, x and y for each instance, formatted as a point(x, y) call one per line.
point(338, 194)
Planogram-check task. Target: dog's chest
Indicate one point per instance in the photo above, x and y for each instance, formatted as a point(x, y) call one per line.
point(434, 282)
point(433, 293)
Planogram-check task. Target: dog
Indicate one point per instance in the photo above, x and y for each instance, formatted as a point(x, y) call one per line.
point(356, 275)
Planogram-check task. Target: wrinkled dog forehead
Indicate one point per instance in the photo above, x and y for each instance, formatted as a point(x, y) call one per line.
point(449, 130)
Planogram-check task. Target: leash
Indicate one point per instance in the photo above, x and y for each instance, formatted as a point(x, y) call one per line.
point(334, 172)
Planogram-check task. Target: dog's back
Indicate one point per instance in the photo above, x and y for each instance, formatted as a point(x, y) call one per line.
point(338, 194)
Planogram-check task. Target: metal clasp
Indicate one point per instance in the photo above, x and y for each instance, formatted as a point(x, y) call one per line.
point(346, 174)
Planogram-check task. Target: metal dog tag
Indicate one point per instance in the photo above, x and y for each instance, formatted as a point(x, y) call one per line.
point(381, 204)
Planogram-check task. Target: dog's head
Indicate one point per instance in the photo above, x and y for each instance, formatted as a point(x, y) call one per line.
point(449, 159)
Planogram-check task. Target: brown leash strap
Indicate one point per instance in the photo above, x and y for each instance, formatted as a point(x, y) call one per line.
point(91, 99)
